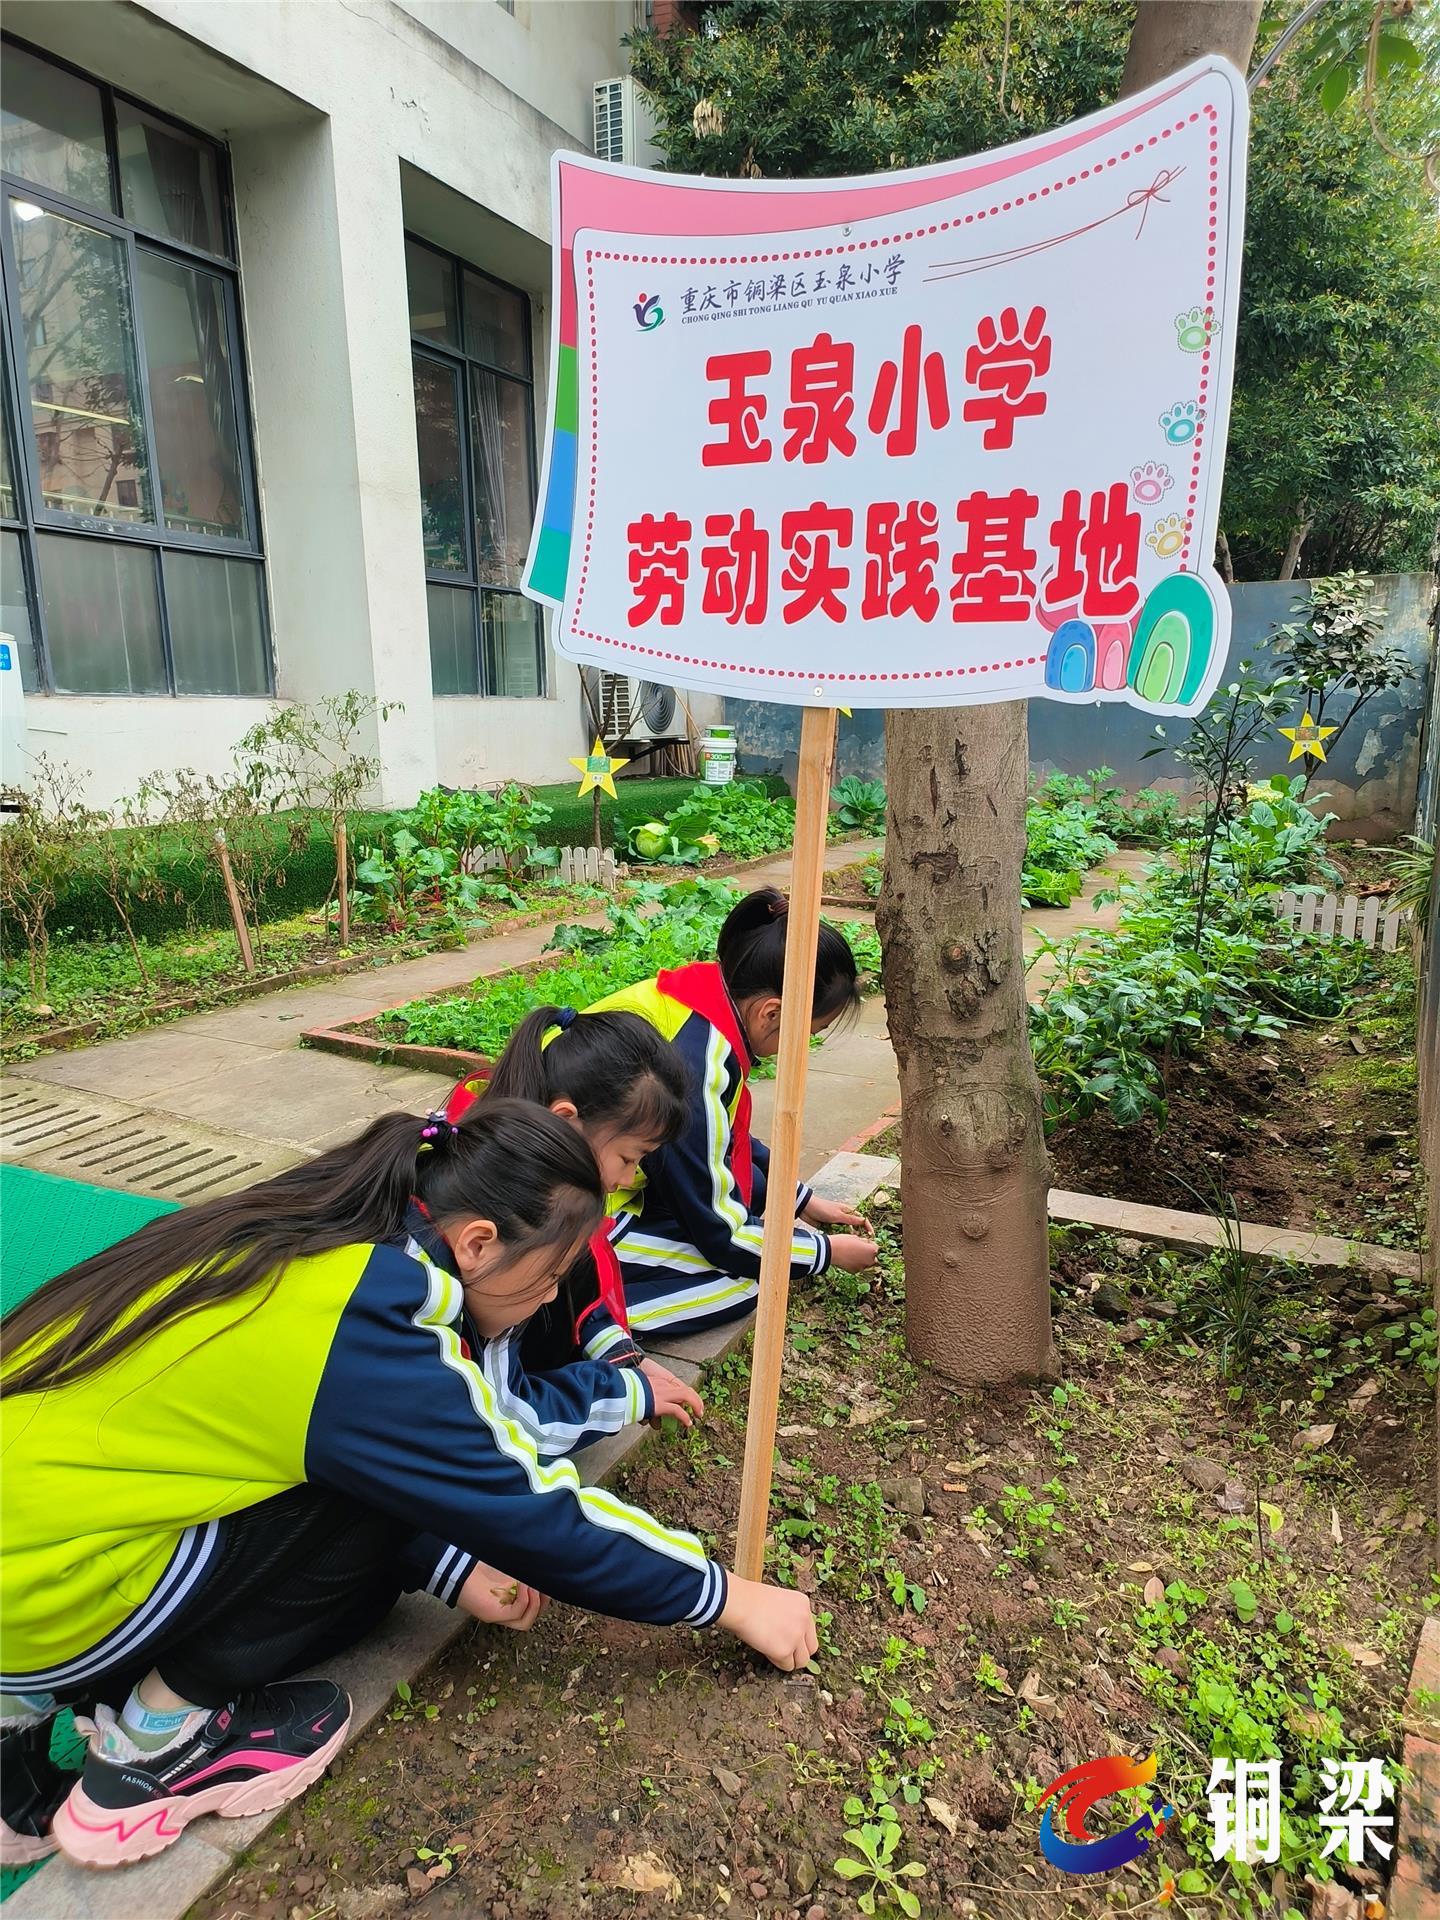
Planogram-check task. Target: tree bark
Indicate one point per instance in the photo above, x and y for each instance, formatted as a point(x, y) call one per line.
point(1169, 34)
point(1292, 552)
point(974, 1170)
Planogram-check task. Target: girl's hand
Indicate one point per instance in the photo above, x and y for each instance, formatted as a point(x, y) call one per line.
point(672, 1396)
point(829, 1213)
point(852, 1254)
point(773, 1620)
point(493, 1597)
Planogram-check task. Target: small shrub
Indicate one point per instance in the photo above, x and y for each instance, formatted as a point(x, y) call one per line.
point(859, 805)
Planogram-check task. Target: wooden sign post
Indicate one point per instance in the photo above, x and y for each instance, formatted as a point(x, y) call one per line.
point(807, 869)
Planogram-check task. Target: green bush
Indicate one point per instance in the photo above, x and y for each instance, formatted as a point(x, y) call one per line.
point(1061, 844)
point(188, 890)
point(1124, 1004)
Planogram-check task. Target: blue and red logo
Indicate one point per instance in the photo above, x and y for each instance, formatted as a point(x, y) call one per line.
point(1076, 1792)
point(649, 313)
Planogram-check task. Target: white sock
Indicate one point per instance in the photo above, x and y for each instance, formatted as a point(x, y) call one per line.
point(152, 1729)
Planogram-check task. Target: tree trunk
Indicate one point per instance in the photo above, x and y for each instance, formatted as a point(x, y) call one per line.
point(1292, 552)
point(974, 1168)
point(1169, 34)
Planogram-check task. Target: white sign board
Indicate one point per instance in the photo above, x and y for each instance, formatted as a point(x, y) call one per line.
point(925, 438)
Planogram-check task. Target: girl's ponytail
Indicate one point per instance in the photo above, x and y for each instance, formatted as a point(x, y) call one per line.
point(508, 1161)
point(614, 1068)
point(751, 951)
point(520, 1072)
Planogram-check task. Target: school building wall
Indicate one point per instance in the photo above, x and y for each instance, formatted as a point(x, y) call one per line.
point(348, 126)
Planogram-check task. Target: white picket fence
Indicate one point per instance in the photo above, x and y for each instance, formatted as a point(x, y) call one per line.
point(1331, 917)
point(579, 867)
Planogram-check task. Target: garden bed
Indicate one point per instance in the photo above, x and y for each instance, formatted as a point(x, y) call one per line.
point(1009, 1585)
point(95, 990)
point(462, 1032)
point(1314, 1127)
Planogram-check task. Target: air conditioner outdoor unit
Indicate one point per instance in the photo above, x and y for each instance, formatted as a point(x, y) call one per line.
point(624, 123)
point(632, 709)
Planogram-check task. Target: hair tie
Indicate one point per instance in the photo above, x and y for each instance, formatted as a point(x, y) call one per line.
point(779, 908)
point(565, 1018)
point(437, 1131)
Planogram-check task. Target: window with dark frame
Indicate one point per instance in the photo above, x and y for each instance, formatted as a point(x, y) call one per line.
point(130, 556)
point(475, 432)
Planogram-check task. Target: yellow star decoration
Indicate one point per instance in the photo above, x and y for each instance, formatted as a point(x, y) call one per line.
point(1307, 738)
point(598, 769)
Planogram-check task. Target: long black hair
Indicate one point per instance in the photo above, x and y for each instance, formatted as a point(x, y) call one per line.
point(616, 1069)
point(751, 950)
point(508, 1161)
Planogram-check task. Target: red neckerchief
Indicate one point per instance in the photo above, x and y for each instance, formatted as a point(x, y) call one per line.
point(607, 1265)
point(701, 987)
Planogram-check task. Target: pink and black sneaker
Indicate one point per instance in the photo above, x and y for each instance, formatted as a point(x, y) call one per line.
point(251, 1756)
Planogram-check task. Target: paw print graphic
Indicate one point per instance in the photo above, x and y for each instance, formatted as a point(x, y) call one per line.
point(1167, 536)
point(1150, 483)
point(1181, 423)
point(1196, 329)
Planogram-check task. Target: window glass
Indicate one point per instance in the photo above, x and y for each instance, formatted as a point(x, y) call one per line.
point(192, 400)
point(500, 433)
point(9, 505)
point(454, 663)
point(496, 324)
point(432, 295)
point(169, 180)
point(79, 348)
point(52, 129)
point(15, 609)
point(515, 666)
point(217, 627)
point(442, 490)
point(102, 615)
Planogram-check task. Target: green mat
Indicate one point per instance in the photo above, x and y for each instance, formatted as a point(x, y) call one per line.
point(47, 1225)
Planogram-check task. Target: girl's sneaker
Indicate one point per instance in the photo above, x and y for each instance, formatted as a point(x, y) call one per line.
point(31, 1788)
point(251, 1756)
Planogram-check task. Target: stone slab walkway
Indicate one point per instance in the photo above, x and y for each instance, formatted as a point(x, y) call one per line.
point(241, 1071)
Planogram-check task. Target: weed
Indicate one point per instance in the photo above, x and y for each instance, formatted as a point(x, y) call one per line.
point(875, 1842)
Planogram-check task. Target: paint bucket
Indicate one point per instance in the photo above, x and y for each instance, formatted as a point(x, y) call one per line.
point(717, 756)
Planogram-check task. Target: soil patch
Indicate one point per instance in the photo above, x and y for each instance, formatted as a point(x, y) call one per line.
point(1009, 1584)
point(1316, 1128)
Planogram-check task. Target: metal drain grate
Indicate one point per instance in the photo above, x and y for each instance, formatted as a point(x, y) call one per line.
point(104, 1142)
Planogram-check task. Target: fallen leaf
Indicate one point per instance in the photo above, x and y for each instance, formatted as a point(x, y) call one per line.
point(1315, 1437)
point(641, 1873)
point(1142, 1566)
point(728, 1782)
point(1154, 1591)
point(942, 1815)
point(1363, 1656)
point(1232, 1498)
point(1043, 1703)
point(1335, 1526)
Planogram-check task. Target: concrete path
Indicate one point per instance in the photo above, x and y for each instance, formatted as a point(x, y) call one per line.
point(239, 1073)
